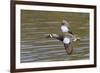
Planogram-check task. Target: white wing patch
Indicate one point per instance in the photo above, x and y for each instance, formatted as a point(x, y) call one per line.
point(64, 29)
point(66, 40)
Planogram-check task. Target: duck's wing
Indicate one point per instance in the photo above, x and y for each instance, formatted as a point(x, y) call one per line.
point(65, 23)
point(64, 26)
point(68, 48)
point(68, 45)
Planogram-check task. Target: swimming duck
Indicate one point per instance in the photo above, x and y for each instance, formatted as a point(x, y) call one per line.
point(67, 38)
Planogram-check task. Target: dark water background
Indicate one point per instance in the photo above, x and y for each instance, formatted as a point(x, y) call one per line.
point(35, 25)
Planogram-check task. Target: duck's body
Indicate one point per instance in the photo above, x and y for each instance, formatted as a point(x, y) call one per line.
point(67, 38)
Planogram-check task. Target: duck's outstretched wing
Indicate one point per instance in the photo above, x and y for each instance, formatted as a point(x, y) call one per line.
point(68, 48)
point(65, 27)
point(67, 45)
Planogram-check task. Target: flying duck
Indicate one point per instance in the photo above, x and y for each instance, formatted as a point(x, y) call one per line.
point(67, 38)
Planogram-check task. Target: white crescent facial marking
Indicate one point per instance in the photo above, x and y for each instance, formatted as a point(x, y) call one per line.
point(50, 35)
point(64, 28)
point(66, 40)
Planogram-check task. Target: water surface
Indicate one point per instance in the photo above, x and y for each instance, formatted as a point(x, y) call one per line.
point(35, 25)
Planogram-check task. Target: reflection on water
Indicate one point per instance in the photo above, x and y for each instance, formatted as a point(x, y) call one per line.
point(35, 25)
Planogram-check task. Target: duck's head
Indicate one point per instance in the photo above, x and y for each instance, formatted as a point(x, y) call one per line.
point(52, 35)
point(49, 36)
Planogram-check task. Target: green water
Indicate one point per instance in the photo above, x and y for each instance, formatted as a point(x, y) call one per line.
point(35, 25)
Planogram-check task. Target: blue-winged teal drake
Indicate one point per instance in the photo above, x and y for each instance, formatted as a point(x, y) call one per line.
point(67, 38)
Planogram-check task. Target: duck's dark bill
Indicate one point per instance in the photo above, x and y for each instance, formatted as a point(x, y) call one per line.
point(48, 36)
